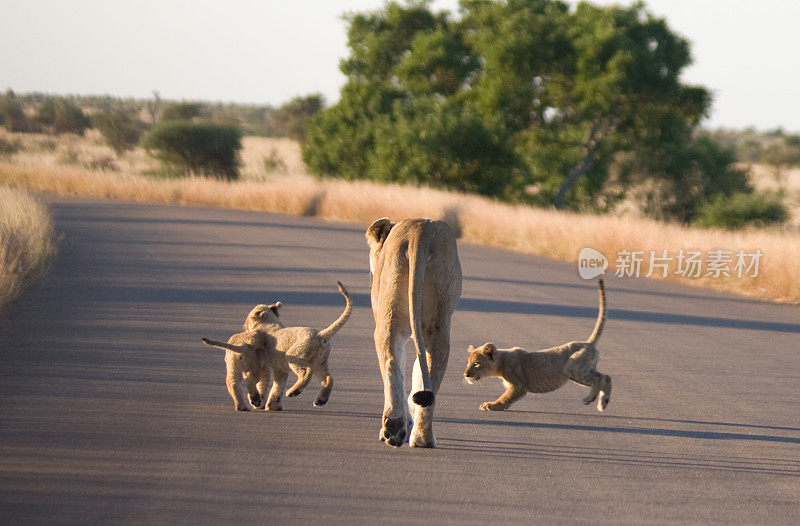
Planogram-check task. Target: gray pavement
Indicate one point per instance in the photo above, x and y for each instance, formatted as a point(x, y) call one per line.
point(112, 410)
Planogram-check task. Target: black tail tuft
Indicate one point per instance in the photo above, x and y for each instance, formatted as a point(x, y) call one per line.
point(423, 398)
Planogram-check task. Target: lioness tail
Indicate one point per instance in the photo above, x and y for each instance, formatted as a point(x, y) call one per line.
point(334, 327)
point(601, 315)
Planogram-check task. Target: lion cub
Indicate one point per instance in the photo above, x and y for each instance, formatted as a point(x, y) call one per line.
point(303, 350)
point(543, 371)
point(248, 357)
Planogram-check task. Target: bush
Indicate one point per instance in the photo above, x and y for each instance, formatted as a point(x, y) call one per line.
point(9, 147)
point(182, 111)
point(202, 148)
point(61, 116)
point(120, 129)
point(12, 114)
point(742, 209)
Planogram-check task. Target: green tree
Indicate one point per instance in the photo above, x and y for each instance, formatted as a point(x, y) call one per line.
point(203, 148)
point(551, 97)
point(120, 128)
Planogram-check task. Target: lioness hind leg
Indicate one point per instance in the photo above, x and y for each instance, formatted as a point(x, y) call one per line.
point(391, 359)
point(437, 342)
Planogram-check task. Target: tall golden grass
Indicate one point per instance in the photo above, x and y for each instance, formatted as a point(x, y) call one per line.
point(26, 242)
point(559, 235)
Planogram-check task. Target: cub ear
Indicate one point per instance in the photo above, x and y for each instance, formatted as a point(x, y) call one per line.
point(471, 349)
point(377, 231)
point(275, 307)
point(489, 349)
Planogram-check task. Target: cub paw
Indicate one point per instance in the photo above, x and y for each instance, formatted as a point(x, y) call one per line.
point(491, 406)
point(603, 402)
point(274, 405)
point(255, 400)
point(291, 394)
point(319, 402)
point(589, 399)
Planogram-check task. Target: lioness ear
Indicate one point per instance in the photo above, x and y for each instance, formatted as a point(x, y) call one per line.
point(471, 349)
point(489, 349)
point(377, 231)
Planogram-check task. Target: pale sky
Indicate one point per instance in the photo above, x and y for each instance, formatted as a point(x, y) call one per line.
point(268, 51)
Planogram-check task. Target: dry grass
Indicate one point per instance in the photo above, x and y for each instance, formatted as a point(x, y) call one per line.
point(26, 242)
point(482, 221)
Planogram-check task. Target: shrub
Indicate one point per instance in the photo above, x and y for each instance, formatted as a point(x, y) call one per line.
point(61, 116)
point(120, 129)
point(742, 209)
point(182, 111)
point(202, 148)
point(273, 162)
point(9, 147)
point(12, 114)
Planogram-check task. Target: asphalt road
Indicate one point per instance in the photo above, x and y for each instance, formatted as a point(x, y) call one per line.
point(112, 410)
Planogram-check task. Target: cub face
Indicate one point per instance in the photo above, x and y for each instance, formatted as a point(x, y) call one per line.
point(263, 314)
point(481, 362)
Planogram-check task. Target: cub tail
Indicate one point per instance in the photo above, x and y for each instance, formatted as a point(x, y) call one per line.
point(227, 346)
point(601, 315)
point(328, 332)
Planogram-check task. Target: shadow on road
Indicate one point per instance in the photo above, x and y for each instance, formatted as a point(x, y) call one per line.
point(653, 431)
point(650, 459)
point(253, 297)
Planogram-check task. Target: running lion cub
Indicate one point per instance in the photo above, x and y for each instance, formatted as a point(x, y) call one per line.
point(249, 356)
point(543, 371)
point(302, 349)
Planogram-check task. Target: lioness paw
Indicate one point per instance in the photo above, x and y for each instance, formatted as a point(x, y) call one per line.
point(491, 406)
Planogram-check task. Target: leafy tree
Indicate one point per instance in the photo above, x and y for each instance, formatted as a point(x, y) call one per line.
point(120, 128)
point(550, 97)
point(203, 147)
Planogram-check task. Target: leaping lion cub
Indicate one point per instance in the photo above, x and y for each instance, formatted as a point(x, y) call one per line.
point(304, 350)
point(543, 371)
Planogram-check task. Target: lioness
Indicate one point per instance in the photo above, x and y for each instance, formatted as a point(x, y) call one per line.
point(416, 284)
point(303, 350)
point(543, 371)
point(247, 362)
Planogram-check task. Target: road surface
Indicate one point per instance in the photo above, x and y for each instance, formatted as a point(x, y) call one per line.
point(112, 410)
